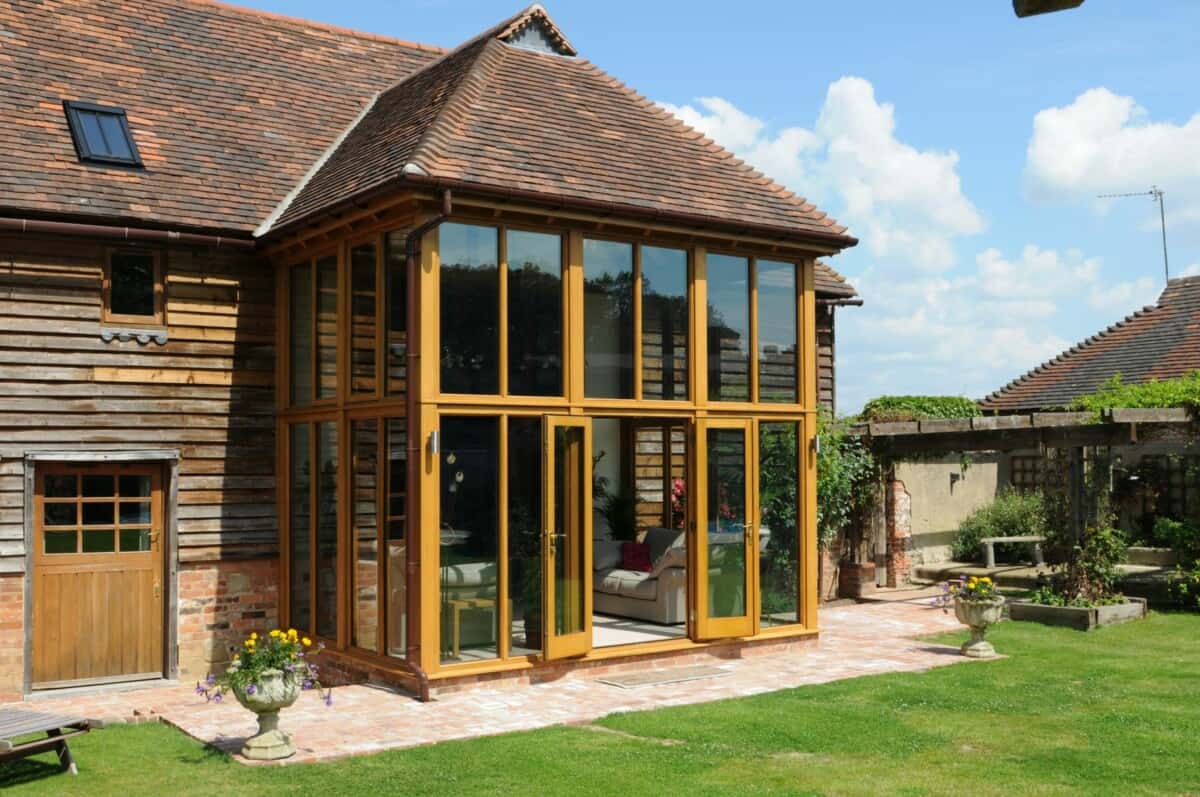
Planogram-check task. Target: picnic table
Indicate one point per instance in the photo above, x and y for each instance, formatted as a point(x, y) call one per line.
point(16, 723)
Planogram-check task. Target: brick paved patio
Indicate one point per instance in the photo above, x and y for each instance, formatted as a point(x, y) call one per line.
point(862, 639)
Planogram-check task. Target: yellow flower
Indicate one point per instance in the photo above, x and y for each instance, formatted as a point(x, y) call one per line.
point(250, 643)
point(306, 641)
point(986, 580)
point(291, 632)
point(237, 658)
point(253, 635)
point(276, 632)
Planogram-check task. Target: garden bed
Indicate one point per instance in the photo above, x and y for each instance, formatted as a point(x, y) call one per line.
point(1081, 618)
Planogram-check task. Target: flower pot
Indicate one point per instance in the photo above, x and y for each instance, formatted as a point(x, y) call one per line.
point(274, 690)
point(856, 579)
point(978, 615)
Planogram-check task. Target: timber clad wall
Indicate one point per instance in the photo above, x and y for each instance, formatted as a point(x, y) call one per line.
point(826, 388)
point(206, 392)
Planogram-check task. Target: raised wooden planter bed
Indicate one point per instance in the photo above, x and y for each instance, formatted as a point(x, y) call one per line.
point(1075, 617)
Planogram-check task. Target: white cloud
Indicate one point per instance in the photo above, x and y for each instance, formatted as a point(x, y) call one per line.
point(1191, 271)
point(1105, 143)
point(906, 204)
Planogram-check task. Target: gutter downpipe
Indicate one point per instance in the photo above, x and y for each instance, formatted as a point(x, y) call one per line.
point(416, 448)
point(121, 233)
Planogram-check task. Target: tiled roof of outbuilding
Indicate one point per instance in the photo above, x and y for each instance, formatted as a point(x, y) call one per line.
point(1161, 341)
point(831, 284)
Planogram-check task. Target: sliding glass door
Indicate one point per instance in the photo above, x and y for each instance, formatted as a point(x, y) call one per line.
point(567, 537)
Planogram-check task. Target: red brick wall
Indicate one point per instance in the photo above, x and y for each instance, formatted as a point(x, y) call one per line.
point(12, 635)
point(899, 532)
point(220, 603)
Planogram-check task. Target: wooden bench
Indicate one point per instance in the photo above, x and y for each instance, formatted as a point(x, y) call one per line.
point(15, 723)
point(989, 550)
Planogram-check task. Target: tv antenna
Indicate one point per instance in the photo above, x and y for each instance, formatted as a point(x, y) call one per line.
point(1157, 194)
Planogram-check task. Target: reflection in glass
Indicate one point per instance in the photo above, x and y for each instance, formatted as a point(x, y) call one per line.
point(131, 284)
point(470, 536)
point(300, 520)
point(396, 345)
point(779, 504)
point(98, 486)
point(134, 486)
point(524, 532)
point(777, 356)
point(59, 486)
point(664, 323)
point(327, 326)
point(470, 309)
point(300, 334)
point(134, 513)
point(58, 542)
point(535, 315)
point(570, 562)
point(395, 511)
point(135, 540)
point(59, 514)
point(726, 522)
point(728, 328)
point(608, 319)
point(98, 541)
point(327, 530)
point(98, 514)
point(363, 295)
point(365, 533)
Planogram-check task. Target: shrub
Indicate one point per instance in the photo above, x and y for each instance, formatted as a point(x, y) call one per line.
point(1012, 514)
point(1182, 537)
point(916, 408)
point(1184, 587)
point(846, 478)
point(1183, 391)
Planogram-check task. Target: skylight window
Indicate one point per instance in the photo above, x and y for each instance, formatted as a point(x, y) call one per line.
point(101, 134)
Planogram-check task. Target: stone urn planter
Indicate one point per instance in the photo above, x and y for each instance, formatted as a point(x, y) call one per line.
point(274, 691)
point(978, 615)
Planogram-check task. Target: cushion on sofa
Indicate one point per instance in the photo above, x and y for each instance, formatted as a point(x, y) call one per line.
point(675, 556)
point(660, 539)
point(606, 554)
point(629, 584)
point(469, 574)
point(636, 556)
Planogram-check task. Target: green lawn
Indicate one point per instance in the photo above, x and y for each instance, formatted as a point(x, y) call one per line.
point(1116, 711)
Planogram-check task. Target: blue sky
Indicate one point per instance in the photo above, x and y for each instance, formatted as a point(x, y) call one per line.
point(963, 146)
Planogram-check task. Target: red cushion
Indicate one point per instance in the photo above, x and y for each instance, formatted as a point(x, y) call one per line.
point(636, 556)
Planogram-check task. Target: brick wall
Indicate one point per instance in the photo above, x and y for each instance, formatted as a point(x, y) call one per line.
point(899, 532)
point(220, 603)
point(12, 635)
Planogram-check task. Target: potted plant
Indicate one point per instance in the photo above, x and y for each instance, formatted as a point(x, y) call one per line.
point(977, 605)
point(267, 675)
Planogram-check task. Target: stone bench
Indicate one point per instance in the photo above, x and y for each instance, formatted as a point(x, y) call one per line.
point(989, 550)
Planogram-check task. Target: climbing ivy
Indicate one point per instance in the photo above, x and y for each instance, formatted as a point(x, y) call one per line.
point(1183, 391)
point(847, 477)
point(916, 408)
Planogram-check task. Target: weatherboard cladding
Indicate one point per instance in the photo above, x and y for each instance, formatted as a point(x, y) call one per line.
point(1159, 342)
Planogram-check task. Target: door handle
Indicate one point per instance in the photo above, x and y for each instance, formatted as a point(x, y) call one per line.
point(157, 588)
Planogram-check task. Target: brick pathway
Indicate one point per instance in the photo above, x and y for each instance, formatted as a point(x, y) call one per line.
point(862, 639)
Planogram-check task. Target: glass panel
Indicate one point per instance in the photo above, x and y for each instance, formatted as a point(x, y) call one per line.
point(60, 486)
point(58, 542)
point(327, 530)
point(135, 540)
point(363, 295)
point(300, 521)
point(777, 362)
point(397, 314)
point(134, 513)
point(98, 514)
point(470, 537)
point(608, 319)
point(535, 315)
point(664, 323)
point(300, 317)
point(115, 140)
point(726, 523)
point(131, 284)
point(524, 533)
point(395, 509)
point(327, 326)
point(99, 540)
point(778, 535)
point(365, 533)
point(728, 328)
point(98, 486)
point(570, 563)
point(59, 514)
point(93, 137)
point(134, 486)
point(470, 309)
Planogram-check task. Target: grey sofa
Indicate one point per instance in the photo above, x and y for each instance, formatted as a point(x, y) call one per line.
point(659, 596)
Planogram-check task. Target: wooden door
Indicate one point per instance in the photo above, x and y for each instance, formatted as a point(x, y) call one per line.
point(567, 539)
point(97, 574)
point(726, 553)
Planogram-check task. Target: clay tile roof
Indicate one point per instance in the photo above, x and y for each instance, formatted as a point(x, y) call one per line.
point(1161, 341)
point(499, 118)
point(229, 107)
point(831, 284)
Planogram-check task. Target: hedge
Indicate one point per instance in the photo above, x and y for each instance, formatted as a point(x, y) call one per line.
point(917, 408)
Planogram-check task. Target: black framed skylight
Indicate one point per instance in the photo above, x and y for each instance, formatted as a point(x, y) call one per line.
point(101, 134)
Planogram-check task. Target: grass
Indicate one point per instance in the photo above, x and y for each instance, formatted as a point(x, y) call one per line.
point(1114, 711)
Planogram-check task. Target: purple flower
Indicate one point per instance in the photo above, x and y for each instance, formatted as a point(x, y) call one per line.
point(217, 697)
point(251, 689)
point(200, 689)
point(306, 683)
point(210, 680)
point(290, 668)
point(329, 698)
